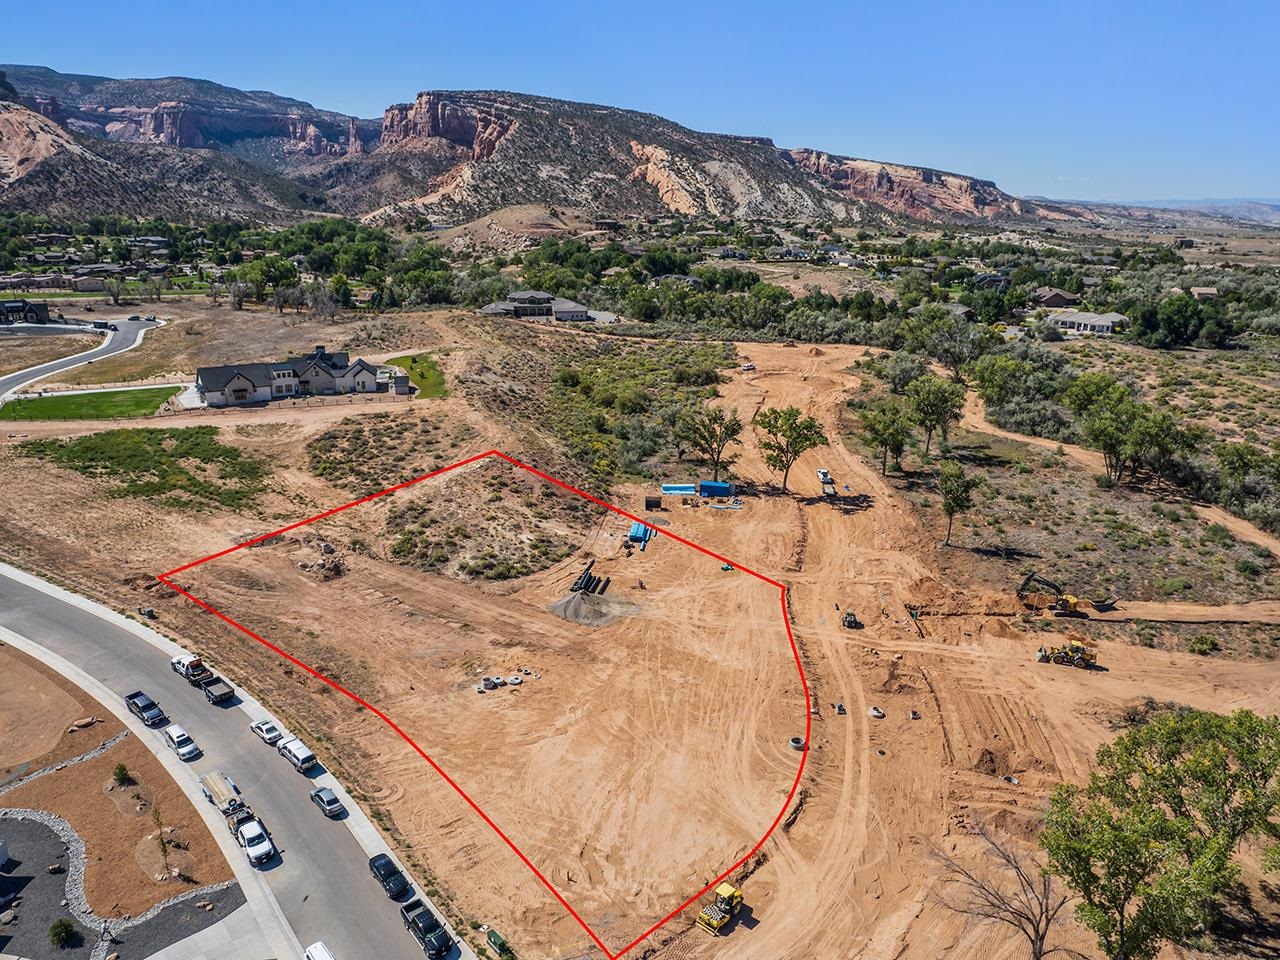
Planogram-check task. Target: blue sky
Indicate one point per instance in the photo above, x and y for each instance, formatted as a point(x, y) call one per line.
point(1121, 100)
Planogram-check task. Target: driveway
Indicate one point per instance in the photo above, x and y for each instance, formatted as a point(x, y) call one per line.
point(127, 337)
point(321, 878)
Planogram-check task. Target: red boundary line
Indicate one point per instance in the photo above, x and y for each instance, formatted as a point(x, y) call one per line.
point(786, 620)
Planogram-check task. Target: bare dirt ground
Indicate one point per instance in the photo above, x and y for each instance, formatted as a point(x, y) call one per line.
point(636, 759)
point(19, 353)
point(848, 873)
point(38, 712)
point(125, 873)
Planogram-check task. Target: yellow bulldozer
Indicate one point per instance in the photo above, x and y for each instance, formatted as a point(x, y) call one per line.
point(1054, 598)
point(1070, 654)
point(716, 914)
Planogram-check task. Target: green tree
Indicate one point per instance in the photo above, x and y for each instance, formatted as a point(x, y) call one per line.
point(788, 435)
point(1000, 378)
point(1219, 775)
point(1091, 388)
point(937, 404)
point(1126, 864)
point(340, 289)
point(121, 775)
point(957, 489)
point(886, 427)
point(709, 430)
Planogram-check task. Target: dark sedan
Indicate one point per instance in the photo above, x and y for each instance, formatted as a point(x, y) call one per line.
point(386, 872)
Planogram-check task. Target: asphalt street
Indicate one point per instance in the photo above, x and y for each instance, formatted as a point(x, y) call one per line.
point(127, 337)
point(321, 878)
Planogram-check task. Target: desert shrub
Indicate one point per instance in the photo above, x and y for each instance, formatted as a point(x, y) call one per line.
point(1202, 644)
point(62, 933)
point(121, 775)
point(1174, 585)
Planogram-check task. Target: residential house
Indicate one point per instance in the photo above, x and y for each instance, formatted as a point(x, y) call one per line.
point(1082, 321)
point(957, 310)
point(990, 281)
point(1204, 293)
point(315, 374)
point(1052, 297)
point(23, 311)
point(535, 304)
point(88, 284)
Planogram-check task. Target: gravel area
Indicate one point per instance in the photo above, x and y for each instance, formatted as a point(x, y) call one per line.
point(36, 840)
point(32, 848)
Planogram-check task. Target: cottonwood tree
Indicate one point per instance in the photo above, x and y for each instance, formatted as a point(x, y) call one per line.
point(788, 435)
point(937, 404)
point(1148, 842)
point(957, 489)
point(115, 289)
point(709, 431)
point(887, 427)
point(1010, 889)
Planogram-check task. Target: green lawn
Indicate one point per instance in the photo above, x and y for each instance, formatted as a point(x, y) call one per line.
point(89, 406)
point(424, 373)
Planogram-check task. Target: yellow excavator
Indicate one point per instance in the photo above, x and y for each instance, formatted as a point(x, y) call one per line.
point(716, 914)
point(1054, 598)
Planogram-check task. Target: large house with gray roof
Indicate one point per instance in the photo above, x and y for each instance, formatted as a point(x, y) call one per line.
point(535, 304)
point(319, 373)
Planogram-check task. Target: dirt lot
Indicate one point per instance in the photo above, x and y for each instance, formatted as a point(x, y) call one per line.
point(18, 353)
point(125, 872)
point(558, 758)
point(38, 712)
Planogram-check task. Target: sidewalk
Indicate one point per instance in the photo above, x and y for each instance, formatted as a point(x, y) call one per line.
point(238, 935)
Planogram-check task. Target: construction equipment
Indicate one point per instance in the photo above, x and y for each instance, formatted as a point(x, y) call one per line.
point(1069, 654)
point(850, 621)
point(715, 915)
point(1062, 603)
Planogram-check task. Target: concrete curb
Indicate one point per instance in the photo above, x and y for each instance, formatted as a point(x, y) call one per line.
point(258, 895)
point(361, 827)
point(36, 375)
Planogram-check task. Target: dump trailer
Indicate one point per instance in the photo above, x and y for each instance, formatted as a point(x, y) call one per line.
point(828, 489)
point(720, 911)
point(217, 690)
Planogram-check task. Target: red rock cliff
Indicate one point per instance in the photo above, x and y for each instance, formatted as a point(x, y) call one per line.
point(433, 115)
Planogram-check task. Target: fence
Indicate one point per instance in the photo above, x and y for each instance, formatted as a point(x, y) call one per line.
point(341, 400)
point(159, 380)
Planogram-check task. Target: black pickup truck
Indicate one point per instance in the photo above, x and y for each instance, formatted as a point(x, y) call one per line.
point(424, 927)
point(144, 708)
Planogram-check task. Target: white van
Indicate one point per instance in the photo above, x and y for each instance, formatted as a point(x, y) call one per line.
point(318, 951)
point(297, 753)
point(221, 791)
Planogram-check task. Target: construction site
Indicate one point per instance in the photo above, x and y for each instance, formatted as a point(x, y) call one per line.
point(636, 737)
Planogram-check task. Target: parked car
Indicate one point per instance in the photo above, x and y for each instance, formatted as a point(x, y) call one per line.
point(386, 872)
point(328, 802)
point(824, 475)
point(180, 742)
point(425, 927)
point(297, 753)
point(144, 708)
point(256, 841)
point(319, 951)
point(266, 731)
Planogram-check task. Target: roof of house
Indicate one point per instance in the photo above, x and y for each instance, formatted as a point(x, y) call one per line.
point(217, 378)
point(1043, 293)
point(1208, 291)
point(530, 296)
point(560, 305)
point(953, 308)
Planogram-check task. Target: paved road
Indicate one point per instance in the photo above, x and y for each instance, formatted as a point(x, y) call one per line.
point(321, 879)
point(126, 338)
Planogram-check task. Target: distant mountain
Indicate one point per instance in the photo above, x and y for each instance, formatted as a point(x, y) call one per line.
point(447, 155)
